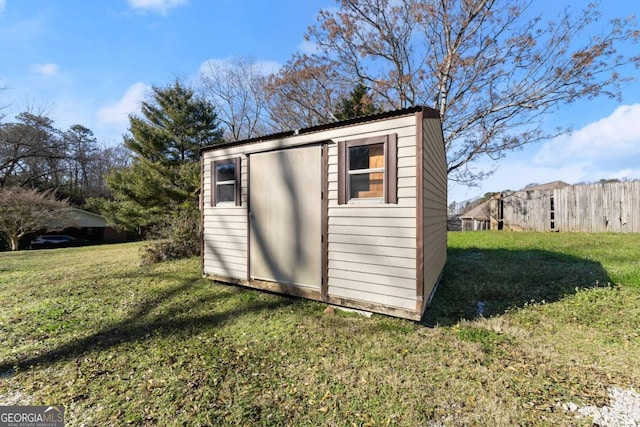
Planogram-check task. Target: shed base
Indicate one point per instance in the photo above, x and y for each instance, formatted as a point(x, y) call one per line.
point(291, 290)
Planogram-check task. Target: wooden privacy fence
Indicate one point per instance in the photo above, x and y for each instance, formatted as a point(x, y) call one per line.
point(613, 207)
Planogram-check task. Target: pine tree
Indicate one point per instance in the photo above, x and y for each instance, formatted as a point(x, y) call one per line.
point(165, 143)
point(357, 104)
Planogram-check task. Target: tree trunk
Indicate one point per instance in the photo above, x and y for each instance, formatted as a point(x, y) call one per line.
point(13, 242)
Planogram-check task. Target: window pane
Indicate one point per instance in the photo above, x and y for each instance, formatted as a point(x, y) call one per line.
point(366, 157)
point(225, 193)
point(226, 172)
point(359, 157)
point(366, 185)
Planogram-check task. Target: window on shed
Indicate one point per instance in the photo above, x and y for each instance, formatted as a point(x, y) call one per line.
point(225, 182)
point(367, 170)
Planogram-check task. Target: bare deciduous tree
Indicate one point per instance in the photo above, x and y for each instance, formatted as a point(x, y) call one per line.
point(34, 154)
point(2, 106)
point(30, 151)
point(491, 70)
point(24, 211)
point(305, 93)
point(236, 88)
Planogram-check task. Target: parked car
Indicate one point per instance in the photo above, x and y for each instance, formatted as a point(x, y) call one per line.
point(55, 241)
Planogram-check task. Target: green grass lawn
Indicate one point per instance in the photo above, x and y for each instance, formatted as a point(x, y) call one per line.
point(118, 343)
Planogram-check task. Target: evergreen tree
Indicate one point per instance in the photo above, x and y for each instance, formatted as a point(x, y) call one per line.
point(357, 104)
point(165, 143)
point(82, 154)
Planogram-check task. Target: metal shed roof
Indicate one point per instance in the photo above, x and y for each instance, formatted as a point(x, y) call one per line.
point(428, 112)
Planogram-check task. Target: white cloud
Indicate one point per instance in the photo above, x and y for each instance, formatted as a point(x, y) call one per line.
point(45, 69)
point(2, 5)
point(267, 67)
point(158, 6)
point(614, 139)
point(607, 148)
point(118, 113)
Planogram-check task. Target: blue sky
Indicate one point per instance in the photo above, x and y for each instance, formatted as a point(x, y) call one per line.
point(90, 62)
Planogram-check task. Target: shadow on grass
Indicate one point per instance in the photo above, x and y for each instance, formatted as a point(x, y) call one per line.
point(164, 314)
point(487, 282)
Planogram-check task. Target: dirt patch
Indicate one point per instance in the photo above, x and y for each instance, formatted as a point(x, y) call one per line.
point(623, 409)
point(15, 398)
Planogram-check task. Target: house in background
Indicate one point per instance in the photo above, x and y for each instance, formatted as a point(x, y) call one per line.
point(89, 226)
point(351, 213)
point(505, 210)
point(477, 218)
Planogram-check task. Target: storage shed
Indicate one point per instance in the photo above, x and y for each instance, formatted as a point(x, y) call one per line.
point(352, 213)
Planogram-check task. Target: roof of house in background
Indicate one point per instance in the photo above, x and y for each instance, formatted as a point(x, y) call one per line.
point(81, 219)
point(480, 212)
point(87, 219)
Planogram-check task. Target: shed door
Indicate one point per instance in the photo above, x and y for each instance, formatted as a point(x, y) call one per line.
point(285, 215)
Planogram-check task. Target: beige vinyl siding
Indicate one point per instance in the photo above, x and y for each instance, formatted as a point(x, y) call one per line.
point(345, 251)
point(225, 226)
point(355, 290)
point(372, 246)
point(407, 292)
point(380, 230)
point(377, 241)
point(434, 204)
point(400, 261)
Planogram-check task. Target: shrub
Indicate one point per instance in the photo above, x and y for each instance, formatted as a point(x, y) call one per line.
point(178, 236)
